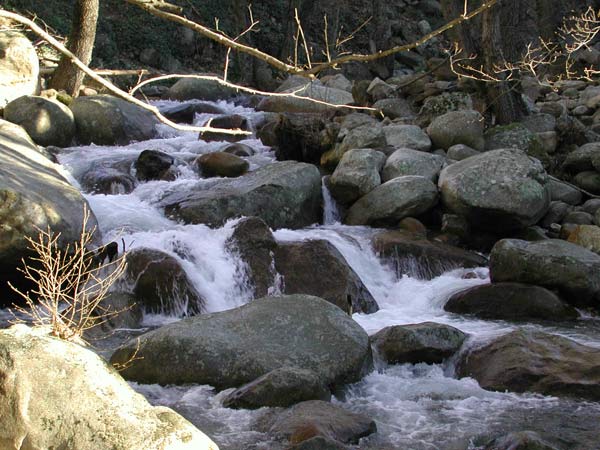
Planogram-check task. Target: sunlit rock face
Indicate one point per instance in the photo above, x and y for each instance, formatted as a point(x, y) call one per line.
point(19, 67)
point(75, 400)
point(33, 196)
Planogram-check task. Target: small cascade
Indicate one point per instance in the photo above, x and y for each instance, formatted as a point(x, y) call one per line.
point(331, 210)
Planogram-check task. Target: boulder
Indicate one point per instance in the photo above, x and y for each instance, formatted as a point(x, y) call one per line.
point(231, 348)
point(379, 89)
point(516, 136)
point(369, 135)
point(307, 420)
point(47, 121)
point(160, 283)
point(521, 440)
point(555, 214)
point(57, 394)
point(442, 104)
point(588, 181)
point(297, 137)
point(186, 112)
point(201, 89)
point(415, 255)
point(457, 127)
point(226, 122)
point(317, 268)
point(281, 387)
point(108, 120)
point(33, 197)
point(254, 242)
point(553, 264)
point(315, 91)
point(338, 81)
point(498, 190)
point(511, 301)
point(394, 200)
point(578, 218)
point(356, 175)
point(564, 193)
point(539, 123)
point(405, 161)
point(533, 361)
point(407, 136)
point(426, 342)
point(459, 152)
point(285, 194)
point(153, 165)
point(19, 67)
point(237, 149)
point(394, 108)
point(587, 236)
point(580, 160)
point(221, 164)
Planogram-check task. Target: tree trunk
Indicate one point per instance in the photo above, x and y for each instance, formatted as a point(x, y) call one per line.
point(81, 43)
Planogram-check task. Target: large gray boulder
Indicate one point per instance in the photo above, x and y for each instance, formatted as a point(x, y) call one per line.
point(406, 161)
point(426, 342)
point(317, 268)
point(230, 348)
point(108, 120)
point(56, 394)
point(415, 255)
point(304, 104)
point(498, 190)
point(361, 136)
point(33, 196)
point(554, 264)
point(356, 175)
point(285, 194)
point(580, 160)
point(457, 127)
point(19, 67)
point(394, 200)
point(516, 136)
point(533, 361)
point(511, 301)
point(47, 121)
point(407, 136)
point(199, 89)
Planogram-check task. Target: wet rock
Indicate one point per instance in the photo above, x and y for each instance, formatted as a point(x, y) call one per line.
point(255, 243)
point(314, 91)
point(226, 122)
point(108, 120)
point(457, 127)
point(281, 387)
point(511, 301)
point(192, 88)
point(356, 175)
point(459, 152)
point(221, 164)
point(405, 161)
point(77, 401)
point(127, 312)
point(48, 122)
point(580, 160)
point(391, 201)
point(317, 268)
point(284, 194)
point(234, 347)
point(237, 149)
point(407, 136)
point(153, 165)
point(498, 190)
point(533, 361)
point(564, 193)
point(522, 440)
point(317, 418)
point(19, 67)
point(106, 180)
point(297, 137)
point(33, 196)
point(415, 255)
point(553, 264)
point(426, 342)
point(186, 112)
point(160, 283)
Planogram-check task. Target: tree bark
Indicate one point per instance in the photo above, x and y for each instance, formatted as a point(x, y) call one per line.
point(81, 43)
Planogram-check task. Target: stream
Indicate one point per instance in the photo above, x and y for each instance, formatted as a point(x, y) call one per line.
point(415, 406)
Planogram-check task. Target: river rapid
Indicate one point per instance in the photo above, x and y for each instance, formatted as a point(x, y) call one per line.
point(415, 406)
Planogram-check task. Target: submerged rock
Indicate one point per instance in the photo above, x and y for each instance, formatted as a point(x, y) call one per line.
point(554, 264)
point(230, 348)
point(153, 165)
point(413, 254)
point(498, 190)
point(281, 387)
point(75, 401)
point(511, 301)
point(533, 361)
point(284, 194)
point(427, 342)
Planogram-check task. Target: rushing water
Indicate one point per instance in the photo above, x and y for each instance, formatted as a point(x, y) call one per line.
point(416, 406)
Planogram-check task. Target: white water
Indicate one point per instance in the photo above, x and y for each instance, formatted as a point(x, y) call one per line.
point(415, 406)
